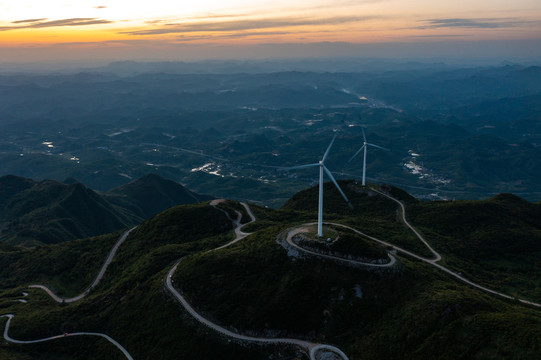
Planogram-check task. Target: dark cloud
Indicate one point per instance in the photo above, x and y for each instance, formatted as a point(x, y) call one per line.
point(38, 23)
point(27, 21)
point(487, 23)
point(240, 25)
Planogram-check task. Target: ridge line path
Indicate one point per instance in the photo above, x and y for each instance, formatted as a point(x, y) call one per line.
point(107, 337)
point(437, 258)
point(96, 280)
point(311, 348)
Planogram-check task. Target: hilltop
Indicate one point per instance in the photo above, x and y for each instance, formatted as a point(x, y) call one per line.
point(152, 194)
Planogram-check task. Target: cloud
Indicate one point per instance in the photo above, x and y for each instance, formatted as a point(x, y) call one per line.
point(441, 36)
point(245, 24)
point(70, 22)
point(482, 23)
point(220, 16)
point(237, 35)
point(100, 7)
point(158, 21)
point(27, 21)
point(38, 23)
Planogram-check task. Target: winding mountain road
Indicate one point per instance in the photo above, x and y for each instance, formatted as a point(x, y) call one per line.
point(58, 299)
point(107, 337)
point(239, 234)
point(437, 256)
point(311, 348)
point(96, 280)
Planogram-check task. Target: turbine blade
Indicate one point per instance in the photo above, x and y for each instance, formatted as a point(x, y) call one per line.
point(329, 148)
point(297, 167)
point(377, 146)
point(337, 186)
point(364, 136)
point(357, 153)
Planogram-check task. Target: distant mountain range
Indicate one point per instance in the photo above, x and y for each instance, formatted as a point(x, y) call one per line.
point(475, 131)
point(46, 212)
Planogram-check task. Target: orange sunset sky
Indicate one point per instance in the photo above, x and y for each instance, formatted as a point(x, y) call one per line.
point(183, 30)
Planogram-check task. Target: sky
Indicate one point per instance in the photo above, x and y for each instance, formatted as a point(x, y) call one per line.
point(89, 30)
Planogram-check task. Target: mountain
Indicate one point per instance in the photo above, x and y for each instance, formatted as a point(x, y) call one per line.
point(50, 212)
point(151, 194)
point(259, 287)
point(510, 118)
point(46, 212)
point(223, 133)
point(496, 240)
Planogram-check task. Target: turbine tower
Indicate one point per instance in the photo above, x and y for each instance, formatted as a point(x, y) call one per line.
point(322, 168)
point(365, 146)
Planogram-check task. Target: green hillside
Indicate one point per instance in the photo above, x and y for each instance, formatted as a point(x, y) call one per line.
point(48, 212)
point(129, 305)
point(496, 241)
point(152, 194)
point(256, 286)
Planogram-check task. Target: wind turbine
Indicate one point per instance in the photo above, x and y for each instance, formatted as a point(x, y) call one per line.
point(365, 146)
point(322, 168)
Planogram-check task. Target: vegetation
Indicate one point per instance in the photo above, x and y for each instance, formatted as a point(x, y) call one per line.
point(129, 304)
point(67, 268)
point(464, 126)
point(379, 314)
point(495, 241)
point(48, 212)
point(412, 311)
point(151, 194)
point(373, 214)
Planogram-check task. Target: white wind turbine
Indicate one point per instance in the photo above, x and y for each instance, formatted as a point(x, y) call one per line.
point(322, 168)
point(365, 146)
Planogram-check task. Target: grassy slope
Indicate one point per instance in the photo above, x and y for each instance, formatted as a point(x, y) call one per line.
point(130, 304)
point(414, 312)
point(50, 212)
point(151, 194)
point(495, 241)
point(67, 267)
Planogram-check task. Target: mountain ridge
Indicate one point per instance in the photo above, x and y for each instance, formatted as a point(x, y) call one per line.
point(257, 287)
point(34, 212)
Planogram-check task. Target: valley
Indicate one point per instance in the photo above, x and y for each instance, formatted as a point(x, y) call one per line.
point(117, 128)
